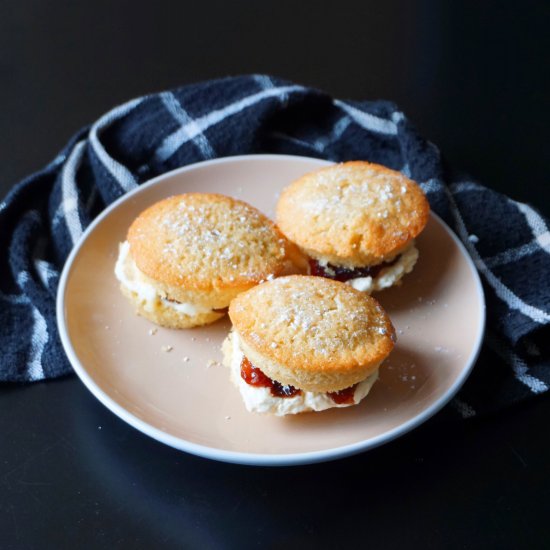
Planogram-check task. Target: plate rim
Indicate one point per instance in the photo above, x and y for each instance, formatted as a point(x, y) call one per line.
point(240, 457)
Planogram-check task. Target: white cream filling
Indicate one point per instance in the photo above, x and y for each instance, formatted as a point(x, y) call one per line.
point(133, 279)
point(388, 276)
point(259, 399)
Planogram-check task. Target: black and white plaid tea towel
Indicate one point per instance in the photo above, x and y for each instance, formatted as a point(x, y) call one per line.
point(45, 214)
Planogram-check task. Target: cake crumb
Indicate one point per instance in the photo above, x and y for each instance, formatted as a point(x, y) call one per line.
point(212, 363)
point(152, 331)
point(166, 349)
point(228, 418)
point(185, 359)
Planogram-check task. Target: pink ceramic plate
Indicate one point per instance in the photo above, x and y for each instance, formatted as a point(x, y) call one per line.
point(184, 398)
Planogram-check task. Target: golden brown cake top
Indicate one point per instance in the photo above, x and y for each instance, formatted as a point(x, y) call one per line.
point(354, 213)
point(206, 241)
point(309, 331)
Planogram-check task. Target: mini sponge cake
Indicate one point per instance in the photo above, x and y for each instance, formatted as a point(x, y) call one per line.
point(302, 343)
point(356, 221)
point(186, 257)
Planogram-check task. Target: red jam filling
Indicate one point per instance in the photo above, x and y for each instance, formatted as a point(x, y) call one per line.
point(255, 377)
point(343, 274)
point(343, 397)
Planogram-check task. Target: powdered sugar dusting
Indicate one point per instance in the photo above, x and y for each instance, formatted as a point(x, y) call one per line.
point(196, 233)
point(352, 209)
point(327, 318)
point(349, 193)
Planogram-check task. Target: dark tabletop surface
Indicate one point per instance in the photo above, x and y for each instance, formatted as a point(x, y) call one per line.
point(473, 79)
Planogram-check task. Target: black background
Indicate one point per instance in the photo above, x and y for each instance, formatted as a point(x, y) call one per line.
point(473, 78)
